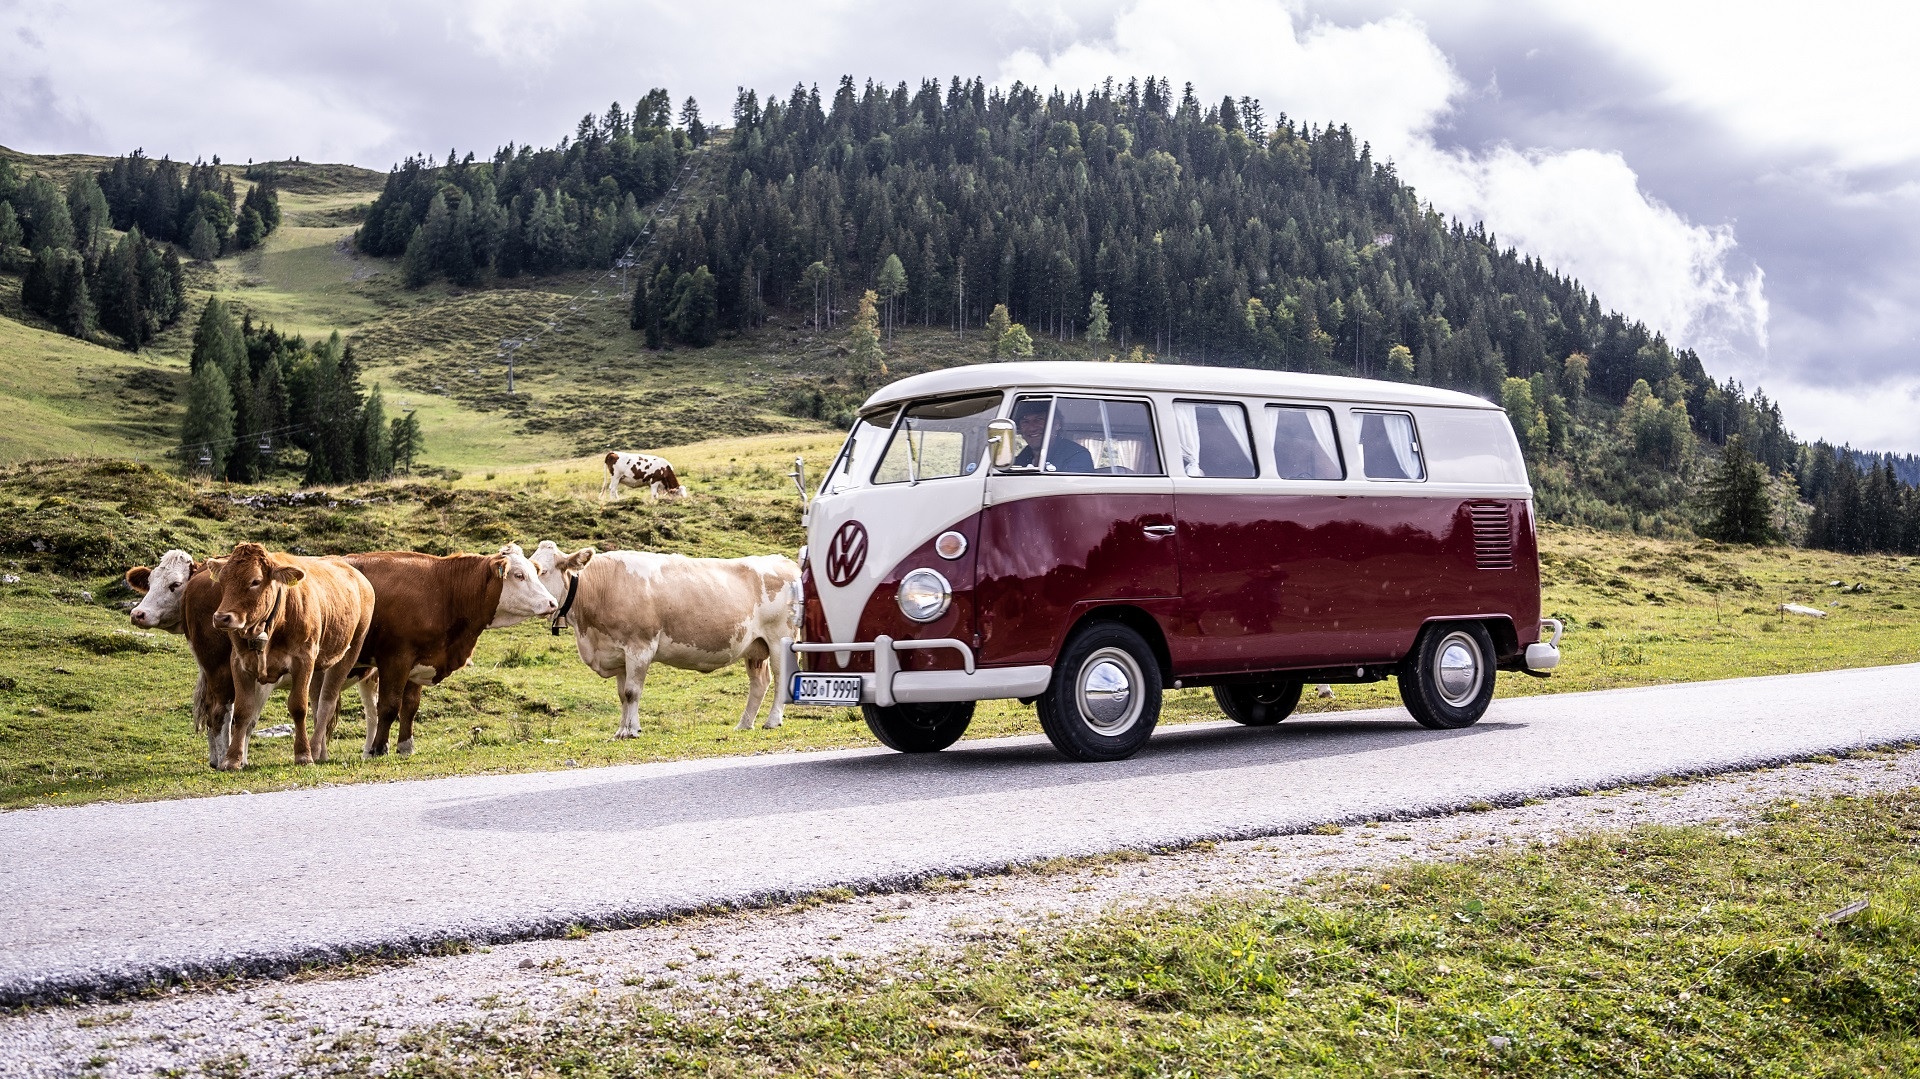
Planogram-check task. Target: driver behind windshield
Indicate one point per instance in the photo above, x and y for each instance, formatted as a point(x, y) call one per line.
point(1065, 455)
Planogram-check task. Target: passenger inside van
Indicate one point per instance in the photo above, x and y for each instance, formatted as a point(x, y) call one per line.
point(1064, 455)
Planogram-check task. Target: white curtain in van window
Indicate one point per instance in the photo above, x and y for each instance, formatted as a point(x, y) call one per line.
point(1400, 437)
point(1186, 416)
point(1189, 425)
point(1322, 423)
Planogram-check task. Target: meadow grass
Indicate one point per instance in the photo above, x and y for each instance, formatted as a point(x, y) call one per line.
point(91, 711)
point(1698, 951)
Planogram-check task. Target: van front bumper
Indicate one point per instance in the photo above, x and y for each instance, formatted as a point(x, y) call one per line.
point(887, 685)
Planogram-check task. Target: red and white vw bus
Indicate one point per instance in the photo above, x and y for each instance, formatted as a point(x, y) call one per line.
point(1079, 535)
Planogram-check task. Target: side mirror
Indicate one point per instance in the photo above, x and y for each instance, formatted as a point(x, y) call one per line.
point(1000, 442)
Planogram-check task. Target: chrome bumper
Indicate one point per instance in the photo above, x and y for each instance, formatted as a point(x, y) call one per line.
point(888, 685)
point(1545, 655)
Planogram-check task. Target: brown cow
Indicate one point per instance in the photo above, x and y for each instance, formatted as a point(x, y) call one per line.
point(179, 596)
point(427, 617)
point(303, 619)
point(642, 470)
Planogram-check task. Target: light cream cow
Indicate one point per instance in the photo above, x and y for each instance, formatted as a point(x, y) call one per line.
point(632, 609)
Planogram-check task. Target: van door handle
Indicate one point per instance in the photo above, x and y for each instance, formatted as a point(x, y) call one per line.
point(1157, 530)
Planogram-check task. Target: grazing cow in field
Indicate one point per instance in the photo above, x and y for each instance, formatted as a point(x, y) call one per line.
point(642, 470)
point(179, 596)
point(428, 613)
point(295, 618)
point(631, 609)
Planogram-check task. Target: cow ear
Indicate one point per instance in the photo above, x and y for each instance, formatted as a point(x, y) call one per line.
point(580, 558)
point(214, 566)
point(499, 562)
point(289, 575)
point(137, 578)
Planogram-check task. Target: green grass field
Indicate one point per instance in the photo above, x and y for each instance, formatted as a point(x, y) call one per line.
point(1673, 952)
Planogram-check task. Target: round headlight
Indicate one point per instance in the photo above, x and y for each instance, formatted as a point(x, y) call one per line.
point(924, 595)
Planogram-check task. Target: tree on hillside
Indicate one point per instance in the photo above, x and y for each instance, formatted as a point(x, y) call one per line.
point(690, 120)
point(206, 432)
point(818, 279)
point(696, 308)
point(404, 442)
point(1098, 326)
point(216, 338)
point(87, 208)
point(372, 448)
point(1739, 510)
point(892, 283)
point(11, 234)
point(1016, 342)
point(867, 361)
point(997, 325)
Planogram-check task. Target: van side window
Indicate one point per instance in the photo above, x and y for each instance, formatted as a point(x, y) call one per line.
point(1389, 447)
point(1086, 436)
point(1303, 444)
point(937, 439)
point(1214, 440)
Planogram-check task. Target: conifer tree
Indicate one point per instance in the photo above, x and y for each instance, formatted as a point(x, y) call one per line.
point(201, 242)
point(1400, 363)
point(373, 454)
point(206, 432)
point(997, 325)
point(404, 442)
point(891, 284)
point(1736, 498)
point(1098, 326)
point(11, 234)
point(251, 230)
point(416, 266)
point(75, 313)
point(1016, 342)
point(867, 361)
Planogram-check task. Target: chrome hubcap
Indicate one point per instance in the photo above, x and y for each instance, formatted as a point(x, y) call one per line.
point(1456, 669)
point(1109, 691)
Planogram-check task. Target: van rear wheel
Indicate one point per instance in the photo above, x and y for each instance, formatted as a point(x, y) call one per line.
point(1104, 699)
point(1260, 704)
point(1448, 681)
point(919, 728)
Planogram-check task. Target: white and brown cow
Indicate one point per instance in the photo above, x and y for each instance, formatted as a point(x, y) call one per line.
point(642, 470)
point(179, 596)
point(428, 613)
point(290, 618)
point(632, 609)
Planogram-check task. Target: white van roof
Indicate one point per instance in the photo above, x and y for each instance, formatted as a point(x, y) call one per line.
point(1167, 378)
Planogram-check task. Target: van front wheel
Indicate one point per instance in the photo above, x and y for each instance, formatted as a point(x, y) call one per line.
point(1260, 705)
point(918, 728)
point(1105, 696)
point(1448, 681)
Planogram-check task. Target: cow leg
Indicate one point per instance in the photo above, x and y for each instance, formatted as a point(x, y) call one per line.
point(249, 698)
point(777, 712)
point(299, 696)
point(409, 706)
point(757, 679)
point(331, 682)
point(632, 681)
point(370, 707)
point(213, 713)
point(393, 680)
point(613, 486)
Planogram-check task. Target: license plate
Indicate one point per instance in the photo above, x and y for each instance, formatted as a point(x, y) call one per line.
point(826, 689)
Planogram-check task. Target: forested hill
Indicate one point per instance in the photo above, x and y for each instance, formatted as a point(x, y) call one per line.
point(1126, 218)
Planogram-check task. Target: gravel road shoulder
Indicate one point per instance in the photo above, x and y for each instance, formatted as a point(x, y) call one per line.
point(362, 1019)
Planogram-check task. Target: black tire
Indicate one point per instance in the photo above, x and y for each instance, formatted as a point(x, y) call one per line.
point(919, 728)
point(1259, 705)
point(1116, 713)
point(1447, 682)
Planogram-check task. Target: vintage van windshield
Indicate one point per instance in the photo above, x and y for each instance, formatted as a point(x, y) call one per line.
point(938, 439)
point(862, 448)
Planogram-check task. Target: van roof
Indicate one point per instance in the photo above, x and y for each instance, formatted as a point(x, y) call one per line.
point(1166, 377)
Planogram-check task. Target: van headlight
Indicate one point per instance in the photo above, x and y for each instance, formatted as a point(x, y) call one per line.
point(924, 595)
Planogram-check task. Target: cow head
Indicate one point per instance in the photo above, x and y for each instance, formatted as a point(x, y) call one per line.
point(522, 596)
point(161, 588)
point(556, 567)
point(253, 588)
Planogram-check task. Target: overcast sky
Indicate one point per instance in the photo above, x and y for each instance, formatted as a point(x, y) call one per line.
point(1743, 177)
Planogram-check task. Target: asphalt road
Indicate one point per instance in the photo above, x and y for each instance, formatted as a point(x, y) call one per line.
point(112, 897)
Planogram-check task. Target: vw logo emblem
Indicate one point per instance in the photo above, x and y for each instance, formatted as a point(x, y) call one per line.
point(846, 553)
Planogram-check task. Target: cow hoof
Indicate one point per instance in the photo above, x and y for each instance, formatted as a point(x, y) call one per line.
point(744, 725)
point(376, 751)
point(626, 734)
point(405, 748)
point(303, 758)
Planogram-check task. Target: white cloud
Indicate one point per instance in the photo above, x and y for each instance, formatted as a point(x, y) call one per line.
point(1581, 211)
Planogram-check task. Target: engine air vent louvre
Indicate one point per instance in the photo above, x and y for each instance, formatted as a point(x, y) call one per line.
point(1492, 534)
